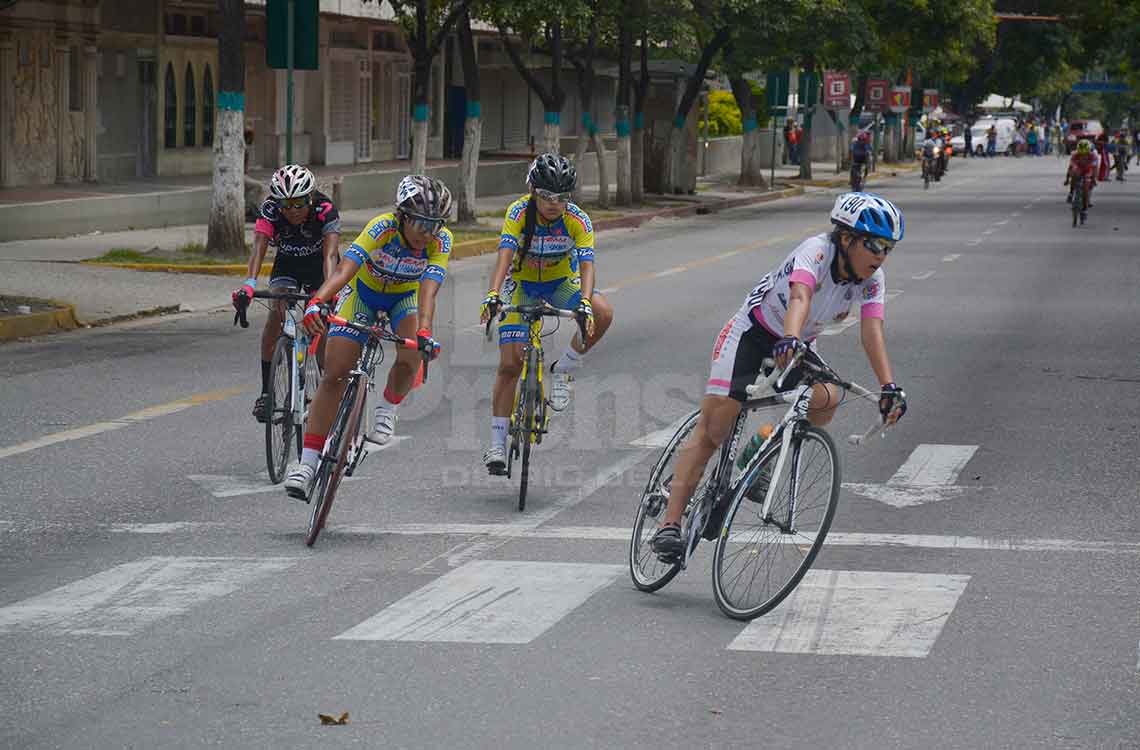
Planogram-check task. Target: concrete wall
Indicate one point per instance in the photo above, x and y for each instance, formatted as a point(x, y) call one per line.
point(25, 221)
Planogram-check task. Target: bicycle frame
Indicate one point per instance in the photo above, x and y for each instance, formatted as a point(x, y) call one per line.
point(301, 344)
point(533, 344)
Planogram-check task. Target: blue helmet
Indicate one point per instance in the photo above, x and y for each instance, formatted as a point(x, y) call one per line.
point(867, 213)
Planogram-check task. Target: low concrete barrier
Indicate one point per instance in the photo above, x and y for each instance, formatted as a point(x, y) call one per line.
point(30, 221)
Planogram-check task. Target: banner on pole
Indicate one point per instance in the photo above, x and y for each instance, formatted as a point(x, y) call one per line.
point(836, 90)
point(929, 100)
point(900, 99)
point(876, 95)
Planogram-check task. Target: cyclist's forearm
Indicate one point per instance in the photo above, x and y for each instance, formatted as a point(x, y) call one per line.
point(586, 271)
point(257, 257)
point(429, 289)
point(502, 265)
point(875, 345)
point(337, 281)
point(799, 305)
point(331, 250)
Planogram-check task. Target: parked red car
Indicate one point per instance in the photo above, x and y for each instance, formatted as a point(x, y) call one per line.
point(1079, 129)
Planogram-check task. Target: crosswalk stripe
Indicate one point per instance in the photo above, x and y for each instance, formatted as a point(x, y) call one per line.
point(129, 597)
point(858, 613)
point(488, 601)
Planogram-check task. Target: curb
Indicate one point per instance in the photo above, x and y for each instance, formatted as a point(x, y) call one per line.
point(885, 171)
point(21, 326)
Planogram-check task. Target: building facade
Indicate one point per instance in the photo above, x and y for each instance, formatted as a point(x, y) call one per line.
point(107, 90)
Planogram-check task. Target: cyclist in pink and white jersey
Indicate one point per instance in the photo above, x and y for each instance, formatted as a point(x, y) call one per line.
point(814, 287)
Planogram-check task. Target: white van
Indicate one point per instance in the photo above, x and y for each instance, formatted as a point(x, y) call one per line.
point(1005, 127)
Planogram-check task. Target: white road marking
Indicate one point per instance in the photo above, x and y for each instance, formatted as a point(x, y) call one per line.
point(1001, 223)
point(117, 424)
point(129, 597)
point(930, 465)
point(621, 534)
point(927, 476)
point(608, 290)
point(1017, 213)
point(952, 257)
point(488, 601)
point(991, 230)
point(859, 613)
point(669, 272)
point(923, 276)
point(659, 438)
point(974, 243)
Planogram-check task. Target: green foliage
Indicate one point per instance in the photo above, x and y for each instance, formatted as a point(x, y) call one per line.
point(724, 116)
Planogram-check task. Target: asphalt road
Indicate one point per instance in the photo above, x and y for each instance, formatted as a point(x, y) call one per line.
point(155, 592)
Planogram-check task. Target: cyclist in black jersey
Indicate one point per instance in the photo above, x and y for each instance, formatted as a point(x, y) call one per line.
point(304, 226)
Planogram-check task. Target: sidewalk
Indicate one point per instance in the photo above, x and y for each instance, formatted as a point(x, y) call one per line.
point(52, 268)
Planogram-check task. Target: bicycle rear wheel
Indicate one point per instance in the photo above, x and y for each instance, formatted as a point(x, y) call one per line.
point(279, 427)
point(335, 458)
point(647, 571)
point(760, 560)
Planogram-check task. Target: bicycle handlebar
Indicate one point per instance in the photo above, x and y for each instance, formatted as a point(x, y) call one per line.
point(382, 334)
point(241, 302)
point(544, 309)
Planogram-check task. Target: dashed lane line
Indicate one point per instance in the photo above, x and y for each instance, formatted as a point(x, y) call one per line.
point(160, 410)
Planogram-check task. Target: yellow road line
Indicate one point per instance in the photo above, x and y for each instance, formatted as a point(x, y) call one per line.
point(127, 420)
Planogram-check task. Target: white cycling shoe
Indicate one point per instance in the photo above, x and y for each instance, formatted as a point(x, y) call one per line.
point(300, 481)
point(495, 459)
point(385, 426)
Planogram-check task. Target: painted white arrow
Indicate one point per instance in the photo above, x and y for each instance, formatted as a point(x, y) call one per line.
point(927, 476)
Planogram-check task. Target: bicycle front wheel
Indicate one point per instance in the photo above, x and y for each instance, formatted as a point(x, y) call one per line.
point(760, 559)
point(648, 572)
point(279, 427)
point(335, 459)
point(312, 379)
point(527, 397)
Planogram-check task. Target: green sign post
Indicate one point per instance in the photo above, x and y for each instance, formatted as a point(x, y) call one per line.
point(292, 42)
point(776, 91)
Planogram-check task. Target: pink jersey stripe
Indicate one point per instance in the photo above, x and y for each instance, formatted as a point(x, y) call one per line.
point(264, 226)
point(758, 316)
point(800, 276)
point(872, 310)
point(719, 383)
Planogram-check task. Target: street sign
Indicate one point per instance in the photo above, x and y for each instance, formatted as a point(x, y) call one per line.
point(306, 34)
point(776, 90)
point(836, 90)
point(809, 89)
point(876, 97)
point(900, 99)
point(929, 100)
point(1114, 87)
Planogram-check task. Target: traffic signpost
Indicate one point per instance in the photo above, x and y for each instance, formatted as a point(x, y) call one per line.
point(292, 42)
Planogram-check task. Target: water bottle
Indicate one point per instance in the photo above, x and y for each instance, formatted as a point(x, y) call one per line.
point(754, 444)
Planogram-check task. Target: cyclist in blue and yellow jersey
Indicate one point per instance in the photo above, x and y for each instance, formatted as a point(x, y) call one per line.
point(546, 252)
point(396, 267)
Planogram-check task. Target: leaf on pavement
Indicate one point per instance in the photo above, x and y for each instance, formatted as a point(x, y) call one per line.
point(329, 720)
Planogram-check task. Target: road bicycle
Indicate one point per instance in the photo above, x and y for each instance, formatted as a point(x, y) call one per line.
point(1077, 193)
point(770, 521)
point(345, 447)
point(858, 176)
point(529, 416)
point(294, 374)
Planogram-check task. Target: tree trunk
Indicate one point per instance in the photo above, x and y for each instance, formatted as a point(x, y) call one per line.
point(581, 144)
point(226, 232)
point(621, 110)
point(552, 98)
point(624, 195)
point(751, 174)
point(551, 133)
point(853, 118)
point(421, 88)
point(676, 143)
point(472, 126)
point(603, 175)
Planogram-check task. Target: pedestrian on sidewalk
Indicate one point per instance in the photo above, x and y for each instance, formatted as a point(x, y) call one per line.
point(304, 226)
point(968, 135)
point(796, 137)
point(789, 128)
point(991, 141)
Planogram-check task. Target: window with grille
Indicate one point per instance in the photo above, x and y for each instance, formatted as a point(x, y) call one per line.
point(170, 109)
point(189, 109)
point(207, 108)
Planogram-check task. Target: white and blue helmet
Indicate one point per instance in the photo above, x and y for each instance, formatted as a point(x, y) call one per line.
point(867, 213)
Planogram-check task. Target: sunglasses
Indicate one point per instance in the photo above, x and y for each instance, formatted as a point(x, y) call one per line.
point(878, 246)
point(294, 202)
point(546, 195)
point(423, 224)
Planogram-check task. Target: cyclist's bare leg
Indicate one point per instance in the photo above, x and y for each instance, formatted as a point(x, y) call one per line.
point(603, 317)
point(718, 415)
point(510, 368)
point(407, 360)
point(825, 400)
point(341, 355)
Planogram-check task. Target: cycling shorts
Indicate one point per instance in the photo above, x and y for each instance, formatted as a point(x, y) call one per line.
point(303, 272)
point(361, 304)
point(738, 357)
point(564, 293)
